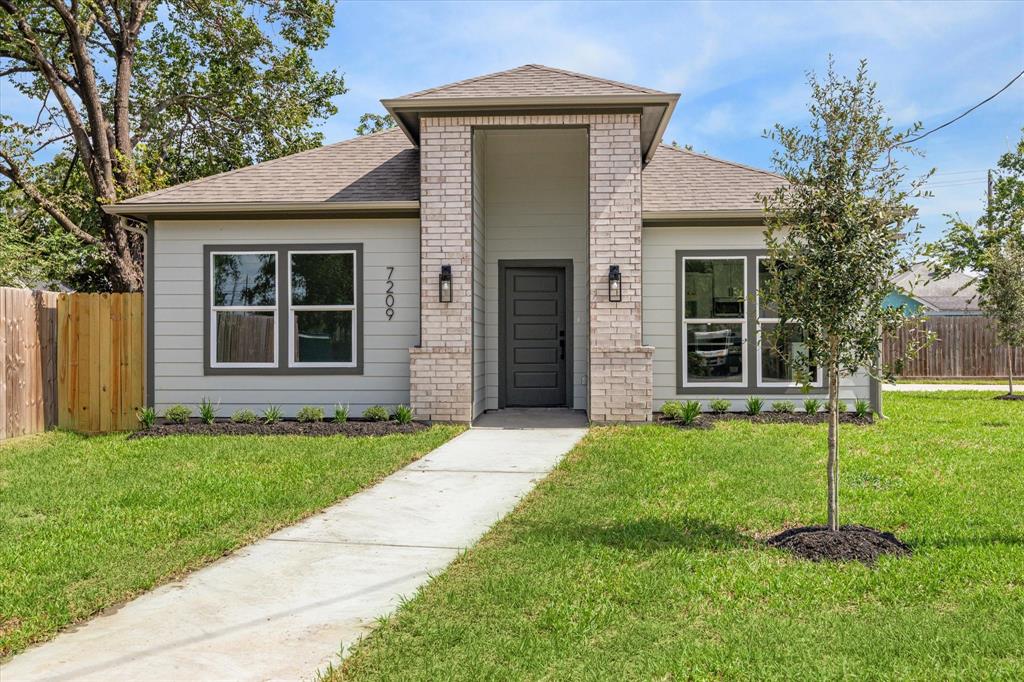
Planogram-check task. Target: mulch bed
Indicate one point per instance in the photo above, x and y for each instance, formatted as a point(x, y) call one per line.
point(1015, 396)
point(707, 419)
point(287, 427)
point(849, 543)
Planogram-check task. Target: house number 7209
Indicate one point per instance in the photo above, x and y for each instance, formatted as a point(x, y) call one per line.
point(389, 295)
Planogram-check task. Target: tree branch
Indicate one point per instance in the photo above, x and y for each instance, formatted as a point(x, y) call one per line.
point(11, 172)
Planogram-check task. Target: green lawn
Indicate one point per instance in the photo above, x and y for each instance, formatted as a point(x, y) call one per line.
point(88, 522)
point(639, 558)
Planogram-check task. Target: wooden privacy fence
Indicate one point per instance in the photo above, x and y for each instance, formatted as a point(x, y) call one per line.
point(100, 361)
point(966, 347)
point(28, 358)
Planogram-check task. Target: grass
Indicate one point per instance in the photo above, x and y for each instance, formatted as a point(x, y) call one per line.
point(88, 522)
point(640, 558)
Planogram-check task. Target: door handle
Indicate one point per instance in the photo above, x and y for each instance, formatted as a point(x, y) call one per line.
point(561, 346)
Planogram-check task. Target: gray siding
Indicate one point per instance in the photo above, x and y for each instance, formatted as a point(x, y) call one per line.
point(659, 290)
point(479, 349)
point(178, 314)
point(535, 188)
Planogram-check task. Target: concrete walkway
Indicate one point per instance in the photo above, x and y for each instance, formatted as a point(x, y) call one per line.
point(908, 388)
point(284, 607)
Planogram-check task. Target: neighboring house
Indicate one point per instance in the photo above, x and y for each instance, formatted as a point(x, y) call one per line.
point(522, 239)
point(918, 294)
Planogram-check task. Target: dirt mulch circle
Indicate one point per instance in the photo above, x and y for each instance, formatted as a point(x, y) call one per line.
point(707, 419)
point(281, 428)
point(849, 543)
point(1015, 396)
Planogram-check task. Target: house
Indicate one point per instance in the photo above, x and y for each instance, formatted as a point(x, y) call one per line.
point(919, 294)
point(520, 239)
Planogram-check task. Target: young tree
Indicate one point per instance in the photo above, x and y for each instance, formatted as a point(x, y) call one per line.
point(991, 249)
point(138, 94)
point(834, 235)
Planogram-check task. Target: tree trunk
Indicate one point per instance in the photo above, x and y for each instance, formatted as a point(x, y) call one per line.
point(833, 448)
point(1009, 363)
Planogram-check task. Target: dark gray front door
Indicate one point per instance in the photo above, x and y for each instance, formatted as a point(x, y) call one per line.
point(534, 331)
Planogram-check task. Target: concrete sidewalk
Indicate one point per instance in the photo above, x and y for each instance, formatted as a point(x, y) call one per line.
point(284, 607)
point(909, 388)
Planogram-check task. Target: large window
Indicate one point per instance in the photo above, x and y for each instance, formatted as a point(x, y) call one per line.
point(278, 309)
point(714, 326)
point(780, 352)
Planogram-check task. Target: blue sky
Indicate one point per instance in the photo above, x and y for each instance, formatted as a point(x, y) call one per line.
point(739, 66)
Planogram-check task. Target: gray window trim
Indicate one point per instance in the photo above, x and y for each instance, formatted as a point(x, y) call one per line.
point(751, 351)
point(283, 309)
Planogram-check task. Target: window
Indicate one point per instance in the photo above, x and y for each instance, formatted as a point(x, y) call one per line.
point(714, 326)
point(243, 309)
point(322, 292)
point(284, 309)
point(778, 353)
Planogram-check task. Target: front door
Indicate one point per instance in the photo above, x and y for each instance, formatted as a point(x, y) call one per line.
point(533, 335)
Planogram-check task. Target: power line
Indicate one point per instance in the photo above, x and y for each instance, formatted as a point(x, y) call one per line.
point(954, 120)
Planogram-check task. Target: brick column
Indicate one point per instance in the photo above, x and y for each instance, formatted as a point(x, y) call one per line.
point(621, 379)
point(441, 368)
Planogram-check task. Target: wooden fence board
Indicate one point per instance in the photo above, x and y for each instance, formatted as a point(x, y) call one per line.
point(27, 361)
point(966, 347)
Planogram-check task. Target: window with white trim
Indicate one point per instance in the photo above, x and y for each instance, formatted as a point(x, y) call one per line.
point(714, 324)
point(322, 308)
point(778, 354)
point(243, 309)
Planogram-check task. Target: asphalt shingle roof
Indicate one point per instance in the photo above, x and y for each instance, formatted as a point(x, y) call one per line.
point(531, 80)
point(681, 180)
point(373, 168)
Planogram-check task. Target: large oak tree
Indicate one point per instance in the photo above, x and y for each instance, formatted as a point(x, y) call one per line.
point(134, 95)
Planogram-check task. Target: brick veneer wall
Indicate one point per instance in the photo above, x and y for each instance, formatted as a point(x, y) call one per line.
point(442, 366)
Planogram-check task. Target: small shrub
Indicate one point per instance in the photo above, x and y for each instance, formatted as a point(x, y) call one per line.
point(272, 414)
point(341, 414)
point(720, 406)
point(403, 414)
point(784, 406)
point(862, 408)
point(310, 414)
point(178, 414)
point(840, 406)
point(754, 405)
point(812, 405)
point(244, 417)
point(690, 412)
point(376, 413)
point(146, 416)
point(207, 411)
point(672, 409)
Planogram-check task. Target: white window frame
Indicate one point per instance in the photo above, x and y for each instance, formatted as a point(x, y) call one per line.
point(214, 309)
point(742, 383)
point(761, 381)
point(353, 308)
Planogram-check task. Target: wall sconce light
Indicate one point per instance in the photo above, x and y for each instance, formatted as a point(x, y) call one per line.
point(614, 284)
point(444, 291)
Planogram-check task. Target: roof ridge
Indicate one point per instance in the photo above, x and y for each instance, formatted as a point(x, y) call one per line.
point(261, 164)
point(472, 79)
point(722, 161)
point(598, 79)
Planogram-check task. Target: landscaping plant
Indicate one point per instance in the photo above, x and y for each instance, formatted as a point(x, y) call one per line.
point(244, 417)
point(754, 405)
point(403, 414)
point(207, 411)
point(992, 249)
point(672, 409)
point(146, 416)
point(720, 406)
point(812, 405)
point(310, 413)
point(690, 412)
point(376, 413)
point(272, 414)
point(784, 406)
point(178, 414)
point(837, 232)
point(862, 408)
point(340, 414)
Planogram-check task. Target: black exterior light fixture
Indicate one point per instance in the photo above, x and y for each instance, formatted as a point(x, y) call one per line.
point(444, 285)
point(614, 284)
